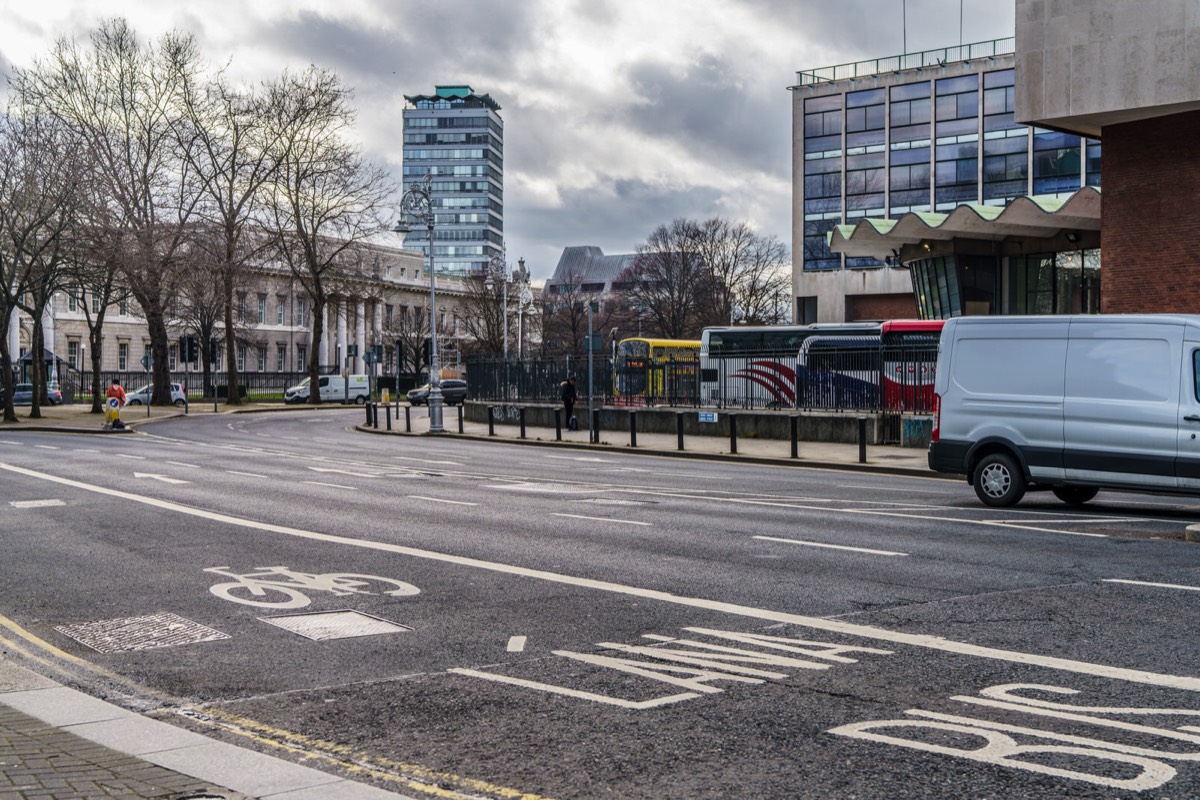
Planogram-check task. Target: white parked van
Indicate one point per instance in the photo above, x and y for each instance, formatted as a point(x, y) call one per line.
point(334, 389)
point(1073, 404)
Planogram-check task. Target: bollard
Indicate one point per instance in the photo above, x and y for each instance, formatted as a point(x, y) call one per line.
point(460, 418)
point(862, 440)
point(633, 429)
point(521, 414)
point(594, 434)
point(795, 424)
point(491, 421)
point(558, 424)
point(408, 419)
point(388, 414)
point(679, 429)
point(733, 434)
point(375, 416)
point(367, 406)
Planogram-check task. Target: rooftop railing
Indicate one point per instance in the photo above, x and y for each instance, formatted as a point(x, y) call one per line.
point(927, 58)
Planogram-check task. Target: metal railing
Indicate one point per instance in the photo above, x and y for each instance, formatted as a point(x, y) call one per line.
point(926, 58)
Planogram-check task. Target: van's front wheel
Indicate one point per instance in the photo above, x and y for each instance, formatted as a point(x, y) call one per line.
point(998, 481)
point(1075, 495)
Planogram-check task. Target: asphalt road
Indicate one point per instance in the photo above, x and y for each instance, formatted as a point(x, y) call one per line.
point(535, 623)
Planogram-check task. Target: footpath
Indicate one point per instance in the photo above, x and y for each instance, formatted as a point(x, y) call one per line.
point(61, 744)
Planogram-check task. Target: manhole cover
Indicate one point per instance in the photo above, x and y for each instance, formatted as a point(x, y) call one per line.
point(140, 633)
point(335, 625)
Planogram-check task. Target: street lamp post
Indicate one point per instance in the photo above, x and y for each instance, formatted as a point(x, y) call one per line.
point(498, 269)
point(417, 203)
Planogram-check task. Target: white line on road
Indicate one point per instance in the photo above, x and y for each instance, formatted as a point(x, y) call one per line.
point(938, 643)
point(8, 441)
point(35, 503)
point(86, 451)
point(245, 474)
point(516, 644)
point(181, 464)
point(603, 519)
point(440, 500)
point(135, 458)
point(331, 485)
point(346, 472)
point(832, 546)
point(1155, 585)
point(45, 447)
point(155, 476)
point(906, 490)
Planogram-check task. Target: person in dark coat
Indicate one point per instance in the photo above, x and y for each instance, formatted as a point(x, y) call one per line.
point(569, 396)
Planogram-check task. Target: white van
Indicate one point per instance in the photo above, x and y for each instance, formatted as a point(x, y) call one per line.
point(1073, 404)
point(334, 389)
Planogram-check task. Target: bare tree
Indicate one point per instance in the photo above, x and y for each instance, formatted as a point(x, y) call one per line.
point(225, 137)
point(38, 205)
point(324, 199)
point(765, 277)
point(121, 99)
point(483, 320)
point(670, 281)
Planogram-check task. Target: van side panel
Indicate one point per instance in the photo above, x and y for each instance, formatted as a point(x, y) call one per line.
point(1187, 463)
point(1121, 405)
point(1006, 382)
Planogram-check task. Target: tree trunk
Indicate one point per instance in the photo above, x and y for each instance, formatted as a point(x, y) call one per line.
point(314, 357)
point(233, 397)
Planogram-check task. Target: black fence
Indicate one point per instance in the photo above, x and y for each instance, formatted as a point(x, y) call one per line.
point(826, 377)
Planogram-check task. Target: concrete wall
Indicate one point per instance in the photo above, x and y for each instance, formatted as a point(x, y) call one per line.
point(1084, 64)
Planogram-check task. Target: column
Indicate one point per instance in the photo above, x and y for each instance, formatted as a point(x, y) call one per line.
point(341, 335)
point(360, 335)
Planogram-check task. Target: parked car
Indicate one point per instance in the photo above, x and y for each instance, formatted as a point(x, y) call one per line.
point(454, 391)
point(23, 394)
point(142, 396)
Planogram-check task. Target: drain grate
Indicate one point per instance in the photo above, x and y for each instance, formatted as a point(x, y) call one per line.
point(140, 633)
point(325, 625)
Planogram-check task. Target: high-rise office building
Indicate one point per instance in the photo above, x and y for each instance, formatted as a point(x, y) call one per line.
point(457, 137)
point(914, 133)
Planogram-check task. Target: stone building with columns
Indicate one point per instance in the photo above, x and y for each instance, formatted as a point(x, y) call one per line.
point(273, 320)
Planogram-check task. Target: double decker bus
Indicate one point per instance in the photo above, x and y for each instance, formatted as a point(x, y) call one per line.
point(760, 367)
point(909, 350)
point(656, 371)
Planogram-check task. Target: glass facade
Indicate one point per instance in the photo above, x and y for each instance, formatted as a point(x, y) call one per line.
point(1045, 283)
point(925, 143)
point(457, 136)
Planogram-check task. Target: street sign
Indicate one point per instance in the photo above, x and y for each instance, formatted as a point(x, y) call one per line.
point(708, 416)
point(147, 362)
point(595, 342)
point(369, 357)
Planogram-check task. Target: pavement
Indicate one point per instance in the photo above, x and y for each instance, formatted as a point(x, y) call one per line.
point(59, 743)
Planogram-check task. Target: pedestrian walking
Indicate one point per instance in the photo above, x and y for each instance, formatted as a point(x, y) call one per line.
point(569, 396)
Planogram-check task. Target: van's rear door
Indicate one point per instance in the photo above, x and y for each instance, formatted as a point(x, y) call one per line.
point(1121, 410)
point(1187, 464)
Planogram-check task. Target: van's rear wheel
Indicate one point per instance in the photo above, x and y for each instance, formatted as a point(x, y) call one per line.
point(998, 481)
point(1075, 495)
point(361, 400)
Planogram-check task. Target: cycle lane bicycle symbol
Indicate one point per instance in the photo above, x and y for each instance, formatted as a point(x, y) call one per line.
point(283, 588)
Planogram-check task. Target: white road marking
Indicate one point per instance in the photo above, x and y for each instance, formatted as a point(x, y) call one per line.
point(890, 489)
point(832, 546)
point(181, 464)
point(8, 441)
point(440, 500)
point(332, 485)
point(1182, 682)
point(135, 458)
point(582, 458)
point(346, 472)
point(45, 447)
point(157, 477)
point(87, 451)
point(1155, 585)
point(245, 474)
point(36, 503)
point(603, 519)
point(516, 644)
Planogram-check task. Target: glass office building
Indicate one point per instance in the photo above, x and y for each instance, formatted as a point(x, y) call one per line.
point(922, 132)
point(457, 137)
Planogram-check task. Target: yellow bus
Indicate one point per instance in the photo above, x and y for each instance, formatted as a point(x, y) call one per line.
point(657, 371)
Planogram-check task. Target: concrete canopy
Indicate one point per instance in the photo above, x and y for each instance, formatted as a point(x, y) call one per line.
point(913, 235)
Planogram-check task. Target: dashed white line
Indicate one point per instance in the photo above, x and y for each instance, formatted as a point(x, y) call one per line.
point(1155, 585)
point(331, 485)
point(516, 644)
point(135, 458)
point(245, 474)
point(181, 464)
point(832, 546)
point(440, 500)
point(603, 519)
point(45, 447)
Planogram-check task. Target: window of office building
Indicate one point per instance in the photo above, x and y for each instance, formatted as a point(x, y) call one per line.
point(241, 358)
point(956, 166)
point(1093, 163)
point(262, 309)
point(301, 311)
point(123, 356)
point(908, 180)
point(173, 357)
point(1056, 162)
point(935, 288)
point(280, 357)
point(73, 354)
point(280, 308)
point(909, 113)
point(262, 358)
point(865, 117)
point(1005, 143)
point(816, 247)
point(1056, 283)
point(301, 357)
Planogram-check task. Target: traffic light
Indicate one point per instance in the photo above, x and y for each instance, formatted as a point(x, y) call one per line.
point(214, 348)
point(427, 352)
point(188, 351)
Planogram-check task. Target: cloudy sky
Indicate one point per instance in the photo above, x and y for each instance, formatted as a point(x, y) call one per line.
point(619, 115)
